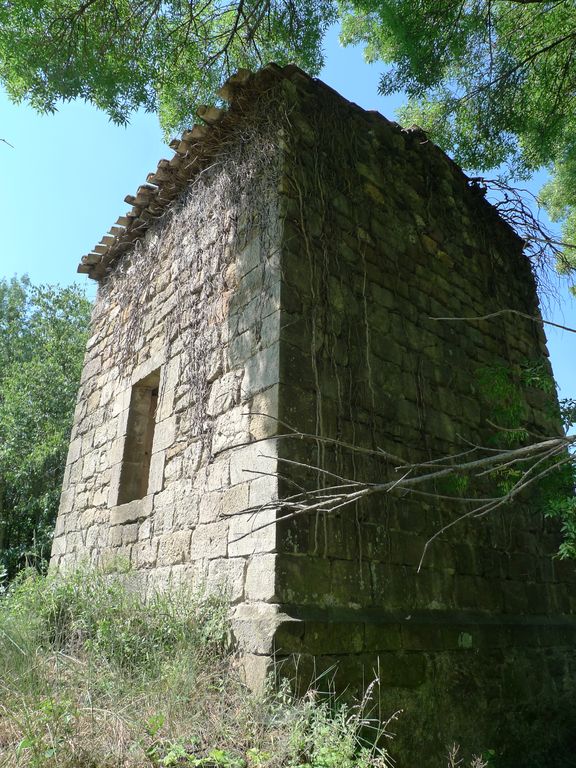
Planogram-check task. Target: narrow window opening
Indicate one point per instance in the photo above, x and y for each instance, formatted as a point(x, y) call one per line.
point(135, 471)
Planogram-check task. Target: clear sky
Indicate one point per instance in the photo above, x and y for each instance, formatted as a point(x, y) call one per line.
point(65, 178)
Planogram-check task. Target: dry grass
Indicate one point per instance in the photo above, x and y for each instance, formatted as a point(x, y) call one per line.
point(90, 677)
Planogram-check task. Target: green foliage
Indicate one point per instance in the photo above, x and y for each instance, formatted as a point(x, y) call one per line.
point(568, 412)
point(89, 611)
point(504, 393)
point(328, 737)
point(491, 81)
point(94, 677)
point(42, 340)
point(564, 509)
point(46, 732)
point(453, 485)
point(501, 391)
point(167, 57)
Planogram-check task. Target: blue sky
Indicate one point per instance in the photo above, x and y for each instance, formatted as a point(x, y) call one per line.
point(65, 178)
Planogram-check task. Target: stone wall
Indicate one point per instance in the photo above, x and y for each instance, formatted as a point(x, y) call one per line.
point(383, 233)
point(199, 301)
point(288, 303)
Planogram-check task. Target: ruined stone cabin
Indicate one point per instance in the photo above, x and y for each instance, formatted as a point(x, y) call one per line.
point(265, 331)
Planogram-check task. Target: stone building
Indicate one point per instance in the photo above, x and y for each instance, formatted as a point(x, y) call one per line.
point(268, 303)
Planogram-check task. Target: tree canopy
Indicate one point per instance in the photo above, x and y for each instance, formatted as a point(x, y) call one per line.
point(42, 339)
point(491, 81)
point(163, 56)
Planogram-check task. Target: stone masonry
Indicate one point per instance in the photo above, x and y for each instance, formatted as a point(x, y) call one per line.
point(277, 283)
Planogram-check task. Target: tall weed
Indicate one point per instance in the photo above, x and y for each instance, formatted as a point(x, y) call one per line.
point(92, 676)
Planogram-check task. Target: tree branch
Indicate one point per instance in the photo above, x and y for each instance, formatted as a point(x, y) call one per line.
point(491, 315)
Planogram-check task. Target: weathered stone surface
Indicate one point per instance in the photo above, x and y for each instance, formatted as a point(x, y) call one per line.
point(261, 578)
point(289, 305)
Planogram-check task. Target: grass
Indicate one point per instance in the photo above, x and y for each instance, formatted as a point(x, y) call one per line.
point(91, 677)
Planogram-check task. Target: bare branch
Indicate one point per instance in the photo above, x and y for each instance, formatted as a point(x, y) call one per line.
point(336, 497)
point(491, 315)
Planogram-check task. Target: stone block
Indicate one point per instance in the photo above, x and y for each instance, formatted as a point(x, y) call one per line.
point(217, 474)
point(117, 560)
point(191, 457)
point(209, 507)
point(261, 371)
point(115, 452)
point(350, 583)
point(264, 414)
point(393, 586)
point(254, 626)
point(60, 525)
point(210, 541)
point(115, 536)
point(251, 533)
point(261, 578)
point(382, 637)
point(93, 537)
point(171, 373)
point(174, 548)
point(132, 511)
point(91, 369)
point(255, 671)
point(74, 451)
point(417, 637)
point(231, 429)
point(58, 546)
point(224, 393)
point(268, 331)
point(222, 504)
point(121, 401)
point(164, 434)
point(185, 508)
point(154, 360)
point(156, 474)
point(145, 553)
point(333, 637)
point(66, 501)
point(226, 577)
point(251, 461)
point(242, 346)
point(130, 533)
point(302, 579)
point(114, 488)
point(165, 404)
point(249, 257)
point(91, 464)
point(263, 490)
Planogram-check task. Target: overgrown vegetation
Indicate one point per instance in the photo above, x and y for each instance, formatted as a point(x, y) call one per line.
point(491, 81)
point(93, 678)
point(504, 392)
point(43, 333)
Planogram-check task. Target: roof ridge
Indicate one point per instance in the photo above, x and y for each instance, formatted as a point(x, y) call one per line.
point(191, 151)
point(170, 178)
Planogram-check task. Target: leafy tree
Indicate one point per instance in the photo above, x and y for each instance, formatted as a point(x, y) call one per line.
point(164, 56)
point(492, 81)
point(42, 340)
